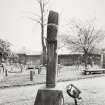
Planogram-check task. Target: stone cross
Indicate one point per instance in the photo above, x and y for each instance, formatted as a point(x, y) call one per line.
point(50, 95)
point(51, 49)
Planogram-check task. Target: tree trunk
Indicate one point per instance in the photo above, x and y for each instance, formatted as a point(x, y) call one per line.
point(44, 56)
point(6, 72)
point(85, 60)
point(85, 64)
point(42, 38)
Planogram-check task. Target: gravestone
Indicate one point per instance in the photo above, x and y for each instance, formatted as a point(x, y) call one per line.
point(50, 95)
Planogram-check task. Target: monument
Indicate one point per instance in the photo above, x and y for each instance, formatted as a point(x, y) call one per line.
point(50, 95)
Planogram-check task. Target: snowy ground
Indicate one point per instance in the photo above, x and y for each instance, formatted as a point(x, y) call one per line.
point(67, 73)
point(93, 93)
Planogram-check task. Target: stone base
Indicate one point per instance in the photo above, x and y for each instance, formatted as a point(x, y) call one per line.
point(49, 97)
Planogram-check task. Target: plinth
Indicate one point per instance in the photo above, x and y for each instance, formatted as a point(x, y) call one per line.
point(49, 97)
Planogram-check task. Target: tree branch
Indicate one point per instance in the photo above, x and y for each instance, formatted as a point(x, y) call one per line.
point(33, 19)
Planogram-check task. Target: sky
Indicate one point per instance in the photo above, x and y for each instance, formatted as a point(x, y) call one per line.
point(23, 33)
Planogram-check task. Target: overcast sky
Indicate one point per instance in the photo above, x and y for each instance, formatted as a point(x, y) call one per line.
point(24, 33)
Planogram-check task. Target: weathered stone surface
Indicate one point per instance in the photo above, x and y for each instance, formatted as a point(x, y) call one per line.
point(52, 26)
point(51, 49)
point(49, 97)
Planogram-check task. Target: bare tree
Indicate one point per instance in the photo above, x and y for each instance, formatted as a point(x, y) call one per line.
point(41, 19)
point(4, 52)
point(13, 57)
point(84, 38)
point(4, 49)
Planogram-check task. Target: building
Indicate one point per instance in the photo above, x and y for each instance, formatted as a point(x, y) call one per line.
point(64, 59)
point(33, 59)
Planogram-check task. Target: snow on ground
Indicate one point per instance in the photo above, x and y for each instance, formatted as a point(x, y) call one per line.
point(23, 78)
point(93, 93)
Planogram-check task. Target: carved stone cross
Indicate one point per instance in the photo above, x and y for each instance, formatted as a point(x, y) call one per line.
point(50, 95)
point(51, 49)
